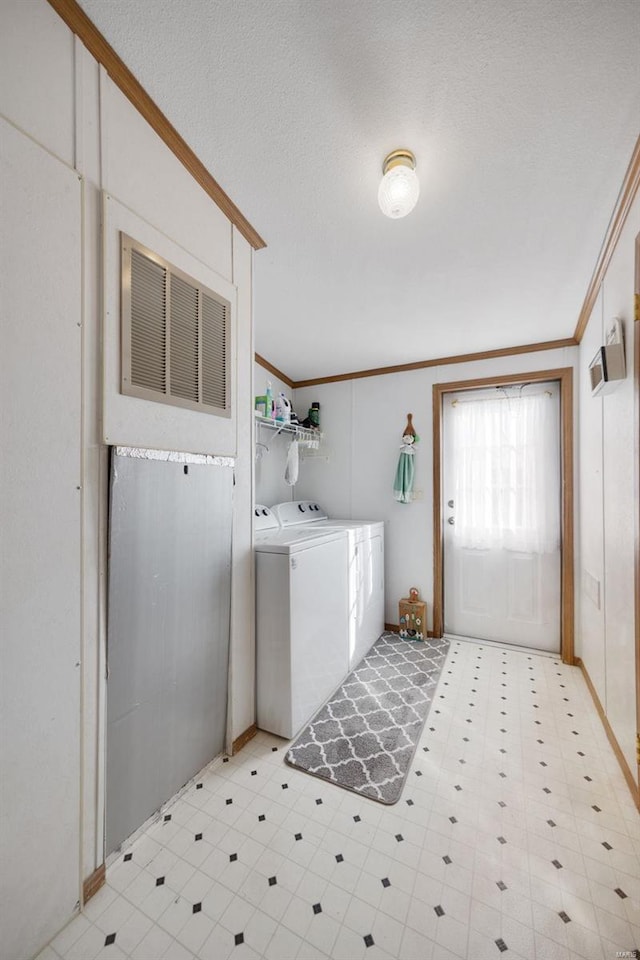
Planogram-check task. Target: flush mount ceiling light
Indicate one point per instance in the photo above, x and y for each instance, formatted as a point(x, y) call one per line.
point(399, 188)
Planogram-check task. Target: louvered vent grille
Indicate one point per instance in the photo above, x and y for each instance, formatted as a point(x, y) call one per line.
point(175, 335)
point(148, 323)
point(214, 352)
point(184, 340)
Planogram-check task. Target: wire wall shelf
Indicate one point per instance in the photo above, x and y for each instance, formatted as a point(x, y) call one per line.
point(306, 437)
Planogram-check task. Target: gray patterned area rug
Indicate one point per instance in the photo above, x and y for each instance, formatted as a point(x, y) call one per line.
point(365, 736)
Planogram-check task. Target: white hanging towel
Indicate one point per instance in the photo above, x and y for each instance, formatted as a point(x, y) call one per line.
point(293, 462)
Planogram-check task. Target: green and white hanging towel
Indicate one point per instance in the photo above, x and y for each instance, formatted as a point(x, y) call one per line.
point(403, 483)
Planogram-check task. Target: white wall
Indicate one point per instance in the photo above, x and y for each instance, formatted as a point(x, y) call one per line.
point(35, 43)
point(590, 522)
point(363, 421)
point(607, 521)
point(59, 101)
point(40, 542)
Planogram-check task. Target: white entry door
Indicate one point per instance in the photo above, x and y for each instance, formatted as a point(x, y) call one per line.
point(502, 494)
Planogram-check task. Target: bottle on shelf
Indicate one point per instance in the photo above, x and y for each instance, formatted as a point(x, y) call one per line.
point(283, 409)
point(269, 395)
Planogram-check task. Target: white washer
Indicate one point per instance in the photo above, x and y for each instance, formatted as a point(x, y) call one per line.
point(365, 568)
point(301, 621)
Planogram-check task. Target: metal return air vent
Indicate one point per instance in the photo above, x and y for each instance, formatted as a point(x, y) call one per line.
point(175, 335)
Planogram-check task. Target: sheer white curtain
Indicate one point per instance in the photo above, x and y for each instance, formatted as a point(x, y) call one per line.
point(506, 455)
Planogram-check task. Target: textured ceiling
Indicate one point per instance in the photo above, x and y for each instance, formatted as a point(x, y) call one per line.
point(522, 116)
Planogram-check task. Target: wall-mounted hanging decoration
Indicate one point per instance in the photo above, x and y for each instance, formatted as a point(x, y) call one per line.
point(403, 483)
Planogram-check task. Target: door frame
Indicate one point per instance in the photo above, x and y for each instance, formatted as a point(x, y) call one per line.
point(564, 377)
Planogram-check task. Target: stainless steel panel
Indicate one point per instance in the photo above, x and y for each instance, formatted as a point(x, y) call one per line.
point(168, 631)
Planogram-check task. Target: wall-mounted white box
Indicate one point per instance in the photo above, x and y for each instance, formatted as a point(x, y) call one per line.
point(608, 367)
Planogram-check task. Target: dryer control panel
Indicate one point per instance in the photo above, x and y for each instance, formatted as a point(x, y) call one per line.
point(299, 511)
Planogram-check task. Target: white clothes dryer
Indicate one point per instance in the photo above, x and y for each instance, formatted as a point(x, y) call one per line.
point(365, 568)
point(301, 620)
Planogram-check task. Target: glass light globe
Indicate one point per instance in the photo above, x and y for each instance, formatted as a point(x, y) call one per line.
point(398, 191)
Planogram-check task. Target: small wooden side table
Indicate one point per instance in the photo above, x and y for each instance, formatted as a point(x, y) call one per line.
point(412, 616)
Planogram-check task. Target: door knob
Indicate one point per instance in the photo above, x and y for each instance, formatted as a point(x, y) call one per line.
point(451, 520)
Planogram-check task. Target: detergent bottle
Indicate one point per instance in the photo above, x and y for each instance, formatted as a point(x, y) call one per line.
point(283, 409)
point(269, 396)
